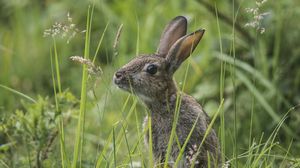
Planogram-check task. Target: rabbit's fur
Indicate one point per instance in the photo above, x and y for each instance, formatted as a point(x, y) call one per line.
point(150, 77)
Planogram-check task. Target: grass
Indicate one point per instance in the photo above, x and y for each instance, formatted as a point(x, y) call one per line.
point(222, 84)
point(18, 93)
point(81, 119)
point(254, 108)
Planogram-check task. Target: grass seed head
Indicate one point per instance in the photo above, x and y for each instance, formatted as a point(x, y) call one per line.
point(257, 17)
point(65, 30)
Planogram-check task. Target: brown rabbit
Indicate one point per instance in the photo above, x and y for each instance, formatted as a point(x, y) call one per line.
point(150, 77)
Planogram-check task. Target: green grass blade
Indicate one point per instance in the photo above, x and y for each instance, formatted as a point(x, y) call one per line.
point(57, 66)
point(114, 148)
point(137, 38)
point(3, 164)
point(53, 82)
point(18, 93)
point(127, 145)
point(118, 139)
point(81, 119)
point(258, 75)
point(100, 42)
point(60, 124)
point(150, 141)
point(181, 152)
point(104, 151)
point(175, 119)
point(287, 152)
point(222, 85)
point(261, 100)
point(209, 128)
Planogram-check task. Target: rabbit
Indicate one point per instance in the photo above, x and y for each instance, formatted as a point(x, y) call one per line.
point(150, 77)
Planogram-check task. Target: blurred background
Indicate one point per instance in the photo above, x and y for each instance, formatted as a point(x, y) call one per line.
point(249, 56)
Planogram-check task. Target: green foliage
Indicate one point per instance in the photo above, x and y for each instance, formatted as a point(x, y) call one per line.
point(257, 75)
point(30, 133)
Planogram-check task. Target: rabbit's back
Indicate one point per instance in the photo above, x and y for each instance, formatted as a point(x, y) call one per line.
point(162, 118)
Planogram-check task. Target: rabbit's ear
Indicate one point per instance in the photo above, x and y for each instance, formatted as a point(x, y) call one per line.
point(173, 31)
point(182, 49)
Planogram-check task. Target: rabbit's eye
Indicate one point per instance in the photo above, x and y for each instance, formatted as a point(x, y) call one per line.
point(152, 69)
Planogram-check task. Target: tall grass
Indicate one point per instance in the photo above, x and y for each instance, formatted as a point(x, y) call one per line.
point(78, 146)
point(222, 85)
point(258, 135)
point(60, 124)
point(18, 93)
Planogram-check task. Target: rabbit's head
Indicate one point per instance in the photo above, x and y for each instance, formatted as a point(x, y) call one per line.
point(150, 76)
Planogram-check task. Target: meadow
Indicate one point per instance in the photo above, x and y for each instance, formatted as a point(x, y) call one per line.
point(60, 108)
